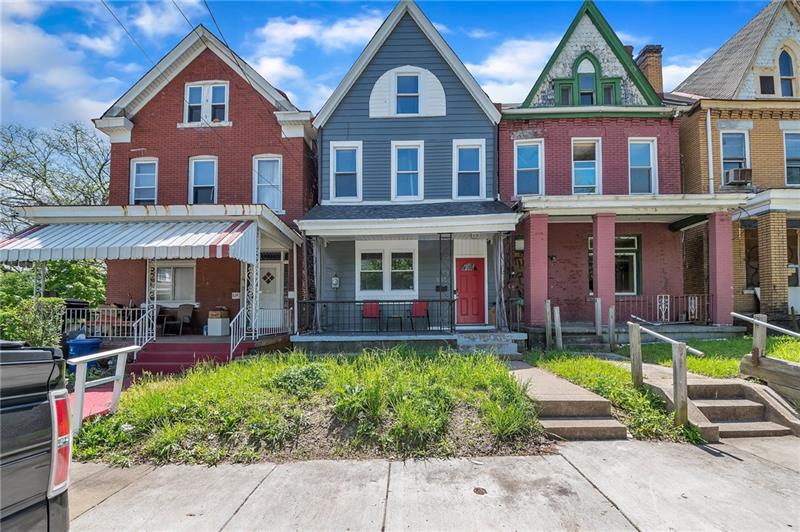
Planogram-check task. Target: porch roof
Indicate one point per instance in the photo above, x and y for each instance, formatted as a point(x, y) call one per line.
point(133, 240)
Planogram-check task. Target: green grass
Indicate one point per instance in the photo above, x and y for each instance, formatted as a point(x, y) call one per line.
point(379, 403)
point(643, 412)
point(722, 357)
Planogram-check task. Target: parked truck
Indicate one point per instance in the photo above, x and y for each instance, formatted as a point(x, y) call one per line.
point(35, 439)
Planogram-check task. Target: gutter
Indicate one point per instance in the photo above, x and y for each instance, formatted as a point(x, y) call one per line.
point(710, 149)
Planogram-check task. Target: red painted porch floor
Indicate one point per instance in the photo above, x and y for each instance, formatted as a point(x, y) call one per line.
point(97, 400)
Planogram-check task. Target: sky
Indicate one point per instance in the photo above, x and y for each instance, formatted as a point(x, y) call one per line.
point(62, 61)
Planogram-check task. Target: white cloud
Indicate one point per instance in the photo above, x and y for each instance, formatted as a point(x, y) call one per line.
point(677, 68)
point(21, 9)
point(508, 73)
point(108, 44)
point(318, 96)
point(162, 18)
point(441, 28)
point(478, 33)
point(632, 38)
point(125, 68)
point(277, 70)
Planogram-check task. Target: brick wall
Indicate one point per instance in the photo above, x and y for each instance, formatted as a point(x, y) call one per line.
point(254, 131)
point(772, 260)
point(742, 302)
point(695, 260)
point(694, 155)
point(557, 135)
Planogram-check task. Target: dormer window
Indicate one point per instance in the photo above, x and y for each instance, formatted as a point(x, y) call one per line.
point(206, 104)
point(586, 77)
point(407, 94)
point(786, 70)
point(587, 86)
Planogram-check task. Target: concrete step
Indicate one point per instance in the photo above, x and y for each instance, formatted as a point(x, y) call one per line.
point(158, 367)
point(715, 390)
point(500, 349)
point(752, 429)
point(180, 356)
point(585, 428)
point(586, 348)
point(731, 409)
point(574, 407)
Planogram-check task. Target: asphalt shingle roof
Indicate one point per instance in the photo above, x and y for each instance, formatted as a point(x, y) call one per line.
point(415, 210)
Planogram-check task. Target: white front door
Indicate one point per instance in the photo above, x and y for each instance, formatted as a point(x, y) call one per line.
point(271, 294)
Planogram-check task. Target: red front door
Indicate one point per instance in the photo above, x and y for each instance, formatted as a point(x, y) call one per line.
point(471, 303)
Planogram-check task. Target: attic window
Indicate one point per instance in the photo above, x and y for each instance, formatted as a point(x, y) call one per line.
point(586, 79)
point(767, 85)
point(587, 86)
point(786, 70)
point(206, 103)
point(407, 94)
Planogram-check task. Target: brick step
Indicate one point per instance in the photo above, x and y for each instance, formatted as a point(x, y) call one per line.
point(585, 428)
point(138, 368)
point(752, 429)
point(180, 356)
point(574, 407)
point(715, 390)
point(167, 347)
point(731, 409)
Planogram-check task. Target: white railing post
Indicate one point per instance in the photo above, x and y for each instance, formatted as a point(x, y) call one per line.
point(548, 325)
point(759, 339)
point(119, 377)
point(635, 339)
point(680, 393)
point(557, 320)
point(598, 317)
point(612, 329)
point(80, 391)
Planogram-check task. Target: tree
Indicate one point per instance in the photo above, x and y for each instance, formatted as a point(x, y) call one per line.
point(83, 279)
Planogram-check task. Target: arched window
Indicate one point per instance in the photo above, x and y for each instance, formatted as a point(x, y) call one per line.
point(786, 70)
point(586, 85)
point(586, 76)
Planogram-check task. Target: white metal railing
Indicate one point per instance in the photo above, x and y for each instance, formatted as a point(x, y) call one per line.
point(105, 322)
point(144, 329)
point(665, 308)
point(760, 327)
point(238, 328)
point(273, 321)
point(81, 384)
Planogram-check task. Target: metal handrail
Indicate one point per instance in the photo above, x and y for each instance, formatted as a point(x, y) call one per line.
point(238, 329)
point(668, 339)
point(81, 384)
point(765, 324)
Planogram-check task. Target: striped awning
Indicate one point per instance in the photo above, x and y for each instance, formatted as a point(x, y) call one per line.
point(132, 240)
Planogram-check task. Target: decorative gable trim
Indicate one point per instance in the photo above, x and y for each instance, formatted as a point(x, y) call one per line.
point(403, 7)
point(179, 58)
point(589, 9)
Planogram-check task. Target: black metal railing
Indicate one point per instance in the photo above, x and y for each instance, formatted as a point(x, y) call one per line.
point(419, 316)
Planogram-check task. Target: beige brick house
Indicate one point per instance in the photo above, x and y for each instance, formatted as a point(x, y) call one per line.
point(741, 133)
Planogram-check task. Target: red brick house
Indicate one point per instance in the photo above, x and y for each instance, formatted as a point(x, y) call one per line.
point(592, 157)
point(210, 166)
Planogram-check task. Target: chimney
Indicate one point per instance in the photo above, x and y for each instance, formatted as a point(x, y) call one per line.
point(649, 61)
point(629, 49)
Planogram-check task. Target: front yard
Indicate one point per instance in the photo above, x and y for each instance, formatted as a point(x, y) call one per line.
point(722, 357)
point(378, 404)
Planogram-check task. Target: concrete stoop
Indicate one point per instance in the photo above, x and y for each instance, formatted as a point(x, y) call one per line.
point(567, 410)
point(503, 344)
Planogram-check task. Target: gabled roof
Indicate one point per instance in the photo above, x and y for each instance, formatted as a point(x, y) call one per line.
point(723, 73)
point(198, 40)
point(403, 7)
point(589, 9)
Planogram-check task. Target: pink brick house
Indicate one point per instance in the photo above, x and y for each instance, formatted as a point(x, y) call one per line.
point(592, 159)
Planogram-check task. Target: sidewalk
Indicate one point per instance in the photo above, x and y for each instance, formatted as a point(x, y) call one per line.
point(621, 485)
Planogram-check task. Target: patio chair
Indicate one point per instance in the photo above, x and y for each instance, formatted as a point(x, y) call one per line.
point(419, 309)
point(371, 310)
point(182, 317)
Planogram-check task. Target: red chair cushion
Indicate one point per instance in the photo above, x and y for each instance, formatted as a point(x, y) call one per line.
point(419, 309)
point(371, 309)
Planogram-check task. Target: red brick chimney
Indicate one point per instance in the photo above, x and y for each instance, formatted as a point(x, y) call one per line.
point(649, 61)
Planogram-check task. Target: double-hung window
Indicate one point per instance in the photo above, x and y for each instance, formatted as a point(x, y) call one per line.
point(786, 70)
point(734, 150)
point(175, 282)
point(792, 148)
point(642, 168)
point(408, 162)
point(345, 171)
point(469, 174)
point(268, 182)
point(386, 269)
point(586, 166)
point(206, 103)
point(627, 261)
point(203, 179)
point(407, 94)
point(528, 167)
point(144, 179)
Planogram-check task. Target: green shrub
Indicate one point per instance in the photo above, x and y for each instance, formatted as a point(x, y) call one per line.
point(300, 380)
point(37, 321)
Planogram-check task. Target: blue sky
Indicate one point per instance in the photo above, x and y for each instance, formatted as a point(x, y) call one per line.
point(65, 61)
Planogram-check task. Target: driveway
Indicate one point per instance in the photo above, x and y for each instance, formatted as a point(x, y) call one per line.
point(621, 485)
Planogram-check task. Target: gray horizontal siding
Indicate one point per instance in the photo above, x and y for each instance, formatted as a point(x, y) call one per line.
point(407, 45)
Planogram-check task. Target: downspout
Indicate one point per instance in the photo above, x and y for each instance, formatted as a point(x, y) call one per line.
point(710, 148)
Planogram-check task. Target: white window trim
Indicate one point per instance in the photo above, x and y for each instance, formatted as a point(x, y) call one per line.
point(653, 141)
point(469, 143)
point(334, 145)
point(269, 157)
point(191, 175)
point(722, 133)
point(205, 105)
point(786, 160)
point(132, 189)
point(420, 145)
point(530, 142)
point(416, 74)
point(386, 247)
point(598, 164)
point(635, 272)
point(179, 264)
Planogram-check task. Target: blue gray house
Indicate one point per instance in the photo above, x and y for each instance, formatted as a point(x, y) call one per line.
point(408, 232)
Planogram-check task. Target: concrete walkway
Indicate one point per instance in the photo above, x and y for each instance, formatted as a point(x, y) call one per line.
point(621, 485)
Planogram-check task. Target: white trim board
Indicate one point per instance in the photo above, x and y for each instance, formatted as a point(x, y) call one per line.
point(425, 25)
point(489, 223)
point(472, 249)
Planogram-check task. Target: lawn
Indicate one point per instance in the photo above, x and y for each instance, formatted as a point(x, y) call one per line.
point(722, 357)
point(644, 413)
point(394, 403)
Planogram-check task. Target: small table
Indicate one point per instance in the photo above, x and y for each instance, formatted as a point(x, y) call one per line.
point(219, 326)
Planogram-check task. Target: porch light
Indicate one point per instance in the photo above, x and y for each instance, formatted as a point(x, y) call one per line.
point(335, 282)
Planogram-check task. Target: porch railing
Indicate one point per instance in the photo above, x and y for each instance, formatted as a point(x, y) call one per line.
point(515, 312)
point(664, 308)
point(273, 321)
point(389, 316)
point(109, 323)
point(238, 326)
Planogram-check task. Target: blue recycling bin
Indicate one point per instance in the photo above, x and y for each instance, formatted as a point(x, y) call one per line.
point(83, 346)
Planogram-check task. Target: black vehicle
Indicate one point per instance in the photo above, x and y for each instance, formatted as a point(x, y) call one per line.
point(35, 439)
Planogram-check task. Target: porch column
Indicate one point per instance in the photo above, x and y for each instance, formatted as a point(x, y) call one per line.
point(603, 262)
point(772, 261)
point(536, 261)
point(720, 267)
point(295, 290)
point(39, 278)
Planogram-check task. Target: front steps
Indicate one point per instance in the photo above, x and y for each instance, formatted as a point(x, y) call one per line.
point(566, 410)
point(176, 357)
point(727, 405)
point(502, 344)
